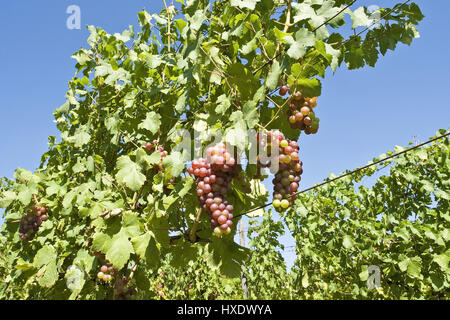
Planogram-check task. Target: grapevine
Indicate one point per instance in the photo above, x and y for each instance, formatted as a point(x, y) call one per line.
point(115, 181)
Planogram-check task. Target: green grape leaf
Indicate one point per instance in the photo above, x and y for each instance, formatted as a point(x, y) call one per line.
point(7, 197)
point(175, 162)
point(44, 256)
point(223, 103)
point(146, 248)
point(130, 173)
point(250, 4)
point(303, 39)
point(50, 275)
point(151, 123)
point(273, 76)
point(120, 250)
point(360, 18)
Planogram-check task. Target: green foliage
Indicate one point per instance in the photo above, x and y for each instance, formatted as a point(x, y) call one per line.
point(208, 68)
point(266, 270)
point(401, 225)
point(195, 281)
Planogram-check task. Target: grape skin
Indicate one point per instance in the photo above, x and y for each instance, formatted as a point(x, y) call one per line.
point(213, 175)
point(290, 169)
point(300, 114)
point(29, 224)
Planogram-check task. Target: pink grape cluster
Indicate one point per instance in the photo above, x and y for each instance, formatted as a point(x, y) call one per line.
point(152, 146)
point(287, 179)
point(214, 175)
point(300, 114)
point(29, 225)
point(107, 270)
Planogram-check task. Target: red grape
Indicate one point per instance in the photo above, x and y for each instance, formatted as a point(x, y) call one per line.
point(283, 90)
point(222, 219)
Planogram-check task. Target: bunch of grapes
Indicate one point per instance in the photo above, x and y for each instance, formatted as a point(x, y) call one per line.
point(168, 190)
point(214, 175)
point(29, 225)
point(107, 270)
point(290, 168)
point(160, 290)
point(300, 114)
point(123, 290)
point(152, 146)
point(287, 179)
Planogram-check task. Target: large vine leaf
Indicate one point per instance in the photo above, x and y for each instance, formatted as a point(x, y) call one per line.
point(120, 250)
point(130, 173)
point(152, 122)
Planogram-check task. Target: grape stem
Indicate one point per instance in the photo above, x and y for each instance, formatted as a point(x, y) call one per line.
point(133, 270)
point(193, 235)
point(168, 25)
point(278, 111)
point(35, 199)
point(136, 198)
point(286, 27)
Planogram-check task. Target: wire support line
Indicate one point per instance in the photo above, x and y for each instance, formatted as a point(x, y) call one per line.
point(384, 16)
point(337, 14)
point(258, 228)
point(374, 23)
point(351, 172)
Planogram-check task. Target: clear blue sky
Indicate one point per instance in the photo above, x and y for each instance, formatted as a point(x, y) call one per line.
point(363, 113)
